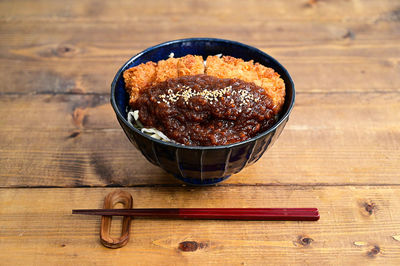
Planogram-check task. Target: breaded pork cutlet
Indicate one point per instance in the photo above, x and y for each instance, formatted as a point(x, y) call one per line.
point(265, 77)
point(144, 75)
point(139, 77)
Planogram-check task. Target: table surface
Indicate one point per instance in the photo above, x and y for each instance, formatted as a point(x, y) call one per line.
point(61, 147)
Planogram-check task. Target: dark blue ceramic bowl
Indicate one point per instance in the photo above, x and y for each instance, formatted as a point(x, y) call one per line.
point(201, 165)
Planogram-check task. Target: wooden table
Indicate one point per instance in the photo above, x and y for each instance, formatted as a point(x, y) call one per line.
point(61, 146)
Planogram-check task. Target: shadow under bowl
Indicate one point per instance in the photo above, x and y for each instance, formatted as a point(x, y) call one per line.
point(200, 165)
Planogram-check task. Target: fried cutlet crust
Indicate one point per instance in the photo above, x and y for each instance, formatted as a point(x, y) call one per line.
point(139, 77)
point(143, 75)
point(265, 77)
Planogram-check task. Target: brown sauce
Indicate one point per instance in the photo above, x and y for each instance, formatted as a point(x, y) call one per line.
point(202, 110)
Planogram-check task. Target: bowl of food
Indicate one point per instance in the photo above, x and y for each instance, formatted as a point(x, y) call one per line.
point(202, 109)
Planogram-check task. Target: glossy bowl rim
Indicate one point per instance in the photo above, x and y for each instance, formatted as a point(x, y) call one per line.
point(181, 146)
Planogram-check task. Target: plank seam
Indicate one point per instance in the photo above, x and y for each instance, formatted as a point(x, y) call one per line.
point(220, 185)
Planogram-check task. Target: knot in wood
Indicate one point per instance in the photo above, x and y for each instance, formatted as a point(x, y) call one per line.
point(374, 251)
point(305, 241)
point(369, 207)
point(349, 35)
point(65, 50)
point(188, 246)
point(74, 135)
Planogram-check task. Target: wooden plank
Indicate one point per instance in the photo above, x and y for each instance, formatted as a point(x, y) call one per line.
point(75, 140)
point(224, 10)
point(357, 226)
point(148, 31)
point(339, 152)
point(80, 54)
point(90, 69)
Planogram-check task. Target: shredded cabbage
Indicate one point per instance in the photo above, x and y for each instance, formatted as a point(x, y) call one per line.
point(133, 119)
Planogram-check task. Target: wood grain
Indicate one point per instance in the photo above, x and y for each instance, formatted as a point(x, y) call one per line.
point(86, 60)
point(347, 70)
point(75, 140)
point(77, 48)
point(339, 152)
point(37, 225)
point(92, 10)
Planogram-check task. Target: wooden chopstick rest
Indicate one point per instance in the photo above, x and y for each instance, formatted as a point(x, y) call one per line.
point(110, 201)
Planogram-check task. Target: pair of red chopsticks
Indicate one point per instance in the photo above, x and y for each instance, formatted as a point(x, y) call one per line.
point(255, 214)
